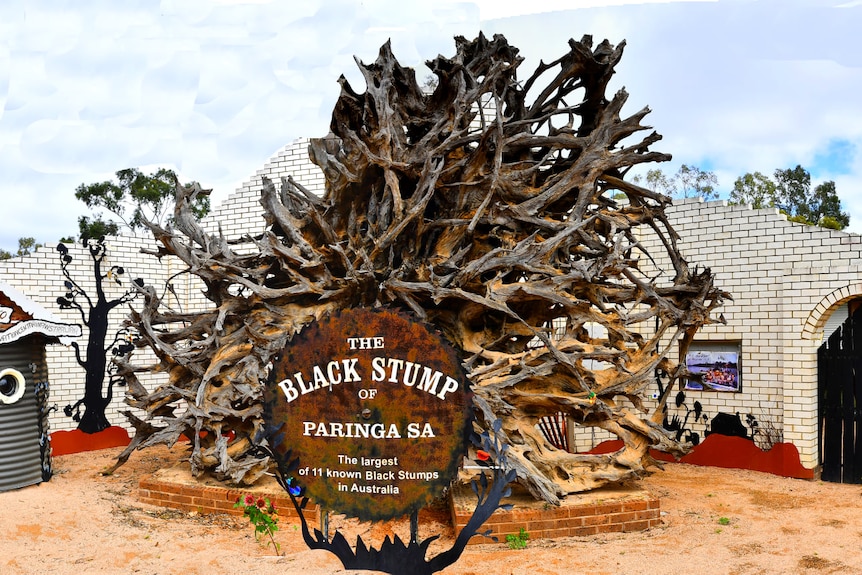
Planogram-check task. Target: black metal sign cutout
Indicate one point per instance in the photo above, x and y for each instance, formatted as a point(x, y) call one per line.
point(394, 556)
point(369, 415)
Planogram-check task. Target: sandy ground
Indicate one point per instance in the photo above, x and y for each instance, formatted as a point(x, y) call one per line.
point(715, 521)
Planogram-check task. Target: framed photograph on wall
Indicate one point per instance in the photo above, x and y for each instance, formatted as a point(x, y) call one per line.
point(717, 364)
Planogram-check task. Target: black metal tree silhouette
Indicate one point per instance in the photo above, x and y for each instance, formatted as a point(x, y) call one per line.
point(95, 311)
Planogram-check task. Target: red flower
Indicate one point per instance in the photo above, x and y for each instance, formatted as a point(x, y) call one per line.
point(482, 455)
point(261, 503)
point(249, 499)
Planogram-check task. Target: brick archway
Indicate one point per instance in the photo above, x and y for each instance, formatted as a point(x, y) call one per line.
point(813, 326)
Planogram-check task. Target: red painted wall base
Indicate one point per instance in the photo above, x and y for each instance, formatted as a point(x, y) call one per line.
point(715, 451)
point(76, 441)
point(733, 452)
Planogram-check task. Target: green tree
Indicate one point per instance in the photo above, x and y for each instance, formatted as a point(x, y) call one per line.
point(754, 189)
point(791, 193)
point(134, 197)
point(687, 182)
point(827, 207)
point(25, 247)
point(694, 182)
point(657, 181)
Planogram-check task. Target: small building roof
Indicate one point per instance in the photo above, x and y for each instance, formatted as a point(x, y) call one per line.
point(20, 316)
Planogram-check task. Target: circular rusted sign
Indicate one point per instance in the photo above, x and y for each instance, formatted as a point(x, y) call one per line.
point(375, 407)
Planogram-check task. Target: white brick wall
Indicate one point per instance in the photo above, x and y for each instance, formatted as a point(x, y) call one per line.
point(241, 213)
point(786, 280)
point(39, 277)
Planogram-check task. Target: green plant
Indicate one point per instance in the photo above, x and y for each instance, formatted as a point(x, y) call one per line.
point(723, 521)
point(263, 515)
point(518, 541)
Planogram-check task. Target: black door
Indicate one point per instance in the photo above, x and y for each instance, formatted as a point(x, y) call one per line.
point(839, 372)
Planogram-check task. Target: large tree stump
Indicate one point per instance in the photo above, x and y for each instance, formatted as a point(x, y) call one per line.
point(493, 208)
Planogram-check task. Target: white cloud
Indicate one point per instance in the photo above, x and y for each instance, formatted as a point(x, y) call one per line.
point(73, 147)
point(491, 9)
point(213, 87)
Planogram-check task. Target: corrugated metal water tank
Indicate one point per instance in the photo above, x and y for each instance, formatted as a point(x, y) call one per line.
point(21, 441)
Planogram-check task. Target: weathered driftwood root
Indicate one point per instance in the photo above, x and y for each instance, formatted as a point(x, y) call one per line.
point(493, 208)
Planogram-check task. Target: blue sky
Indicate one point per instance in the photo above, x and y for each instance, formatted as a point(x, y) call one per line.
point(213, 88)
